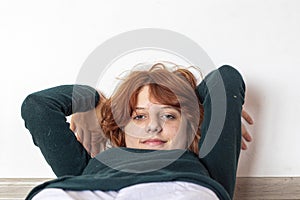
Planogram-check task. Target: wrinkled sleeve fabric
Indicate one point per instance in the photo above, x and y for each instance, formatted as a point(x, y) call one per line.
point(45, 112)
point(222, 94)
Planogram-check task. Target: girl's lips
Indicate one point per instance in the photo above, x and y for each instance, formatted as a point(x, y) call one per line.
point(154, 142)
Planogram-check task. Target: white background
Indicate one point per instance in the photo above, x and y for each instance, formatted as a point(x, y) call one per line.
point(44, 44)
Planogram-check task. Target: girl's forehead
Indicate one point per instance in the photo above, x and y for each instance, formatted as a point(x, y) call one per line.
point(150, 105)
point(144, 97)
point(146, 101)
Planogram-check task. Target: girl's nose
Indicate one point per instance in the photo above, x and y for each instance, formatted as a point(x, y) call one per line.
point(154, 126)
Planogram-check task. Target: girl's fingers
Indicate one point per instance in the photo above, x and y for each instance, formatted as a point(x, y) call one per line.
point(247, 117)
point(72, 126)
point(79, 135)
point(87, 141)
point(244, 145)
point(246, 135)
point(95, 149)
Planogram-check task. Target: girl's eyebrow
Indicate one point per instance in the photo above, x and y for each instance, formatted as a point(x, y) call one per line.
point(139, 108)
point(167, 107)
point(164, 107)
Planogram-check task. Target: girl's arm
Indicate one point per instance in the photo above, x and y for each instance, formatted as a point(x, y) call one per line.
point(222, 94)
point(45, 112)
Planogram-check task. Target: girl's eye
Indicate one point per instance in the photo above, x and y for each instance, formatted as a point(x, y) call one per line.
point(139, 117)
point(169, 117)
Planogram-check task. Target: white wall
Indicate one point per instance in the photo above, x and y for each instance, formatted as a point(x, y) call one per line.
point(44, 44)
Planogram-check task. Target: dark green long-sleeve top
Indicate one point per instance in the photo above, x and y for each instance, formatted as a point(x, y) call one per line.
point(44, 114)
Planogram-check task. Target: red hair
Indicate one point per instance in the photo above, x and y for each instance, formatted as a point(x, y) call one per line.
point(175, 88)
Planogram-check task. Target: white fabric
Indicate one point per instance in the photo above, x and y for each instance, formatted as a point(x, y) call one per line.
point(176, 190)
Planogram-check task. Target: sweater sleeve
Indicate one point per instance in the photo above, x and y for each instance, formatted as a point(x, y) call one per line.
point(45, 112)
point(222, 94)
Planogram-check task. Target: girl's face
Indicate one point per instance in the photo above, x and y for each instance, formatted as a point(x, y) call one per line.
point(155, 126)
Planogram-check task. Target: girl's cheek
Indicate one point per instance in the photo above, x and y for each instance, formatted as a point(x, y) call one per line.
point(171, 131)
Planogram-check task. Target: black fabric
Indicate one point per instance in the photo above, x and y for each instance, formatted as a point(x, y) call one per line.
point(44, 115)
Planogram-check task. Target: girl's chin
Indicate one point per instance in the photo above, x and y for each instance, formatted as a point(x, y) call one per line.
point(154, 146)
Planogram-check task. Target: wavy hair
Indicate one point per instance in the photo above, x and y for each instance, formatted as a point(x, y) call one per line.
point(168, 87)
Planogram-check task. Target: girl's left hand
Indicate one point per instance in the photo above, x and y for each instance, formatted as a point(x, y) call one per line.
point(246, 137)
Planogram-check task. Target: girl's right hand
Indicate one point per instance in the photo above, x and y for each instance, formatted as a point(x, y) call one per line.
point(88, 132)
